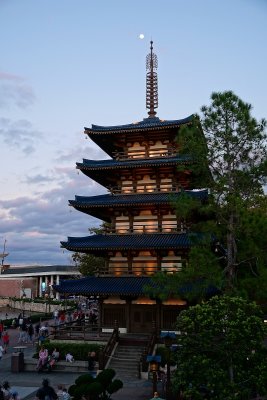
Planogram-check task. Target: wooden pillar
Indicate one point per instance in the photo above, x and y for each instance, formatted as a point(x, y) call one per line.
point(128, 315)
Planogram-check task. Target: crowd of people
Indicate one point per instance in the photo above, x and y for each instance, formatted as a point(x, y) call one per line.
point(79, 316)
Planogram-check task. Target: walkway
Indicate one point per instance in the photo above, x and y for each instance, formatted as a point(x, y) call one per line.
point(26, 383)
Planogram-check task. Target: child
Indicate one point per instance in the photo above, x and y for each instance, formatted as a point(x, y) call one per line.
point(69, 358)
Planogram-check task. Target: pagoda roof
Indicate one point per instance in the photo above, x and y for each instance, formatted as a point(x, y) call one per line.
point(94, 205)
point(98, 243)
point(117, 286)
point(110, 285)
point(97, 170)
point(99, 134)
point(132, 163)
point(146, 123)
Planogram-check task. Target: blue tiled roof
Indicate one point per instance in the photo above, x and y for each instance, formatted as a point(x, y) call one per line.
point(105, 286)
point(147, 123)
point(112, 164)
point(125, 242)
point(124, 200)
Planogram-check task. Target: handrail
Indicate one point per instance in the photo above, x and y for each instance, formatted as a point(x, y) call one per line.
point(148, 351)
point(106, 353)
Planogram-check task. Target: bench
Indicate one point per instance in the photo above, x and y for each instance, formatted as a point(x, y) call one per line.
point(60, 366)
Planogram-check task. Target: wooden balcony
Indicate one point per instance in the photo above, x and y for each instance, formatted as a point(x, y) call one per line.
point(137, 271)
point(146, 229)
point(149, 187)
point(145, 153)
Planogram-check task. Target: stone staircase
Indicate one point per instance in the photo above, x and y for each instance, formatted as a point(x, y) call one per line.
point(125, 360)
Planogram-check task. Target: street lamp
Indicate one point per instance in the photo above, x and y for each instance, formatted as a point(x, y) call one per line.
point(23, 304)
point(154, 367)
point(168, 338)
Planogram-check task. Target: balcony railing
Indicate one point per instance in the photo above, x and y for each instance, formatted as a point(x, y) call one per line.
point(136, 188)
point(146, 229)
point(137, 270)
point(145, 153)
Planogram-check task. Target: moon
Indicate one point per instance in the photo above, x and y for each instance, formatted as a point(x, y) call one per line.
point(141, 36)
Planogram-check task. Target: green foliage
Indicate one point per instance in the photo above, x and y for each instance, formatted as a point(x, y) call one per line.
point(99, 388)
point(88, 264)
point(221, 350)
point(228, 152)
point(198, 279)
point(78, 350)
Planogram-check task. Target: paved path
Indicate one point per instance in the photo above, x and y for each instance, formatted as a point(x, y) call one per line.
point(26, 383)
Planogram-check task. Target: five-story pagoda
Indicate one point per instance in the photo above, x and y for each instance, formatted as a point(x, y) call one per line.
point(145, 235)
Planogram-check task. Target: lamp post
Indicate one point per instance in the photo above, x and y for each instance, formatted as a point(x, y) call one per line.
point(168, 338)
point(23, 304)
point(154, 367)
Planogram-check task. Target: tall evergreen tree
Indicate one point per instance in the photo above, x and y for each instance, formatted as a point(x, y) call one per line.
point(233, 148)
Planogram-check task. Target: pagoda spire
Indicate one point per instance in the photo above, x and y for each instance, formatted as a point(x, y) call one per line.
point(151, 82)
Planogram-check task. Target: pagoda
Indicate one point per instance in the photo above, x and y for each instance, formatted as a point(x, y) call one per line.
point(144, 234)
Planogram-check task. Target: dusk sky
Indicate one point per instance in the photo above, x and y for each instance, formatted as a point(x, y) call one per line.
point(67, 64)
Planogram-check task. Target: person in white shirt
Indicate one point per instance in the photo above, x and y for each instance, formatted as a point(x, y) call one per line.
point(1, 352)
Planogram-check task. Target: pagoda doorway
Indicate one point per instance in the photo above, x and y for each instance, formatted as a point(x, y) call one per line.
point(143, 318)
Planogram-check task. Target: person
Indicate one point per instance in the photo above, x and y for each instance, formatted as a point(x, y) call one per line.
point(43, 357)
point(5, 338)
point(30, 332)
point(91, 360)
point(69, 358)
point(46, 392)
point(1, 328)
point(55, 354)
point(41, 338)
point(53, 359)
point(156, 396)
point(6, 390)
point(14, 395)
point(65, 394)
point(1, 352)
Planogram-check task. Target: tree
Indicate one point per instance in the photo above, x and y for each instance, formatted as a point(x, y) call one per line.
point(221, 350)
point(89, 264)
point(233, 148)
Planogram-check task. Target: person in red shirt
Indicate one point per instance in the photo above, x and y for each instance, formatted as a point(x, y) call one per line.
point(5, 338)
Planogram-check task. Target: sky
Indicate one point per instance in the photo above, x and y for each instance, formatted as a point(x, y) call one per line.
point(68, 64)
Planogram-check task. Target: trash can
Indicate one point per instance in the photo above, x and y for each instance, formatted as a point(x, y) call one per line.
point(17, 362)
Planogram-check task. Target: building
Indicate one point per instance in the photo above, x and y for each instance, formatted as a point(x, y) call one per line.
point(143, 235)
point(34, 281)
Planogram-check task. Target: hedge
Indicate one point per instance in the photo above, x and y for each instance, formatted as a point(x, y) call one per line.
point(78, 350)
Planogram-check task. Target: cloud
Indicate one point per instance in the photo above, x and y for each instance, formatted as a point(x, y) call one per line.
point(14, 90)
point(35, 225)
point(19, 134)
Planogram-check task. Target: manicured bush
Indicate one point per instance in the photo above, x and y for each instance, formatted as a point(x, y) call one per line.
point(99, 388)
point(78, 350)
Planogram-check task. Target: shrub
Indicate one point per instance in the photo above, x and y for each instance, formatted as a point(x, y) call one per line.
point(78, 350)
point(99, 388)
